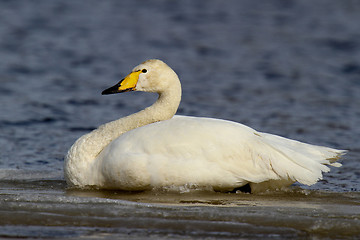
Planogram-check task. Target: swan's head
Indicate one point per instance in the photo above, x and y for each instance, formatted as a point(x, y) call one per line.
point(150, 76)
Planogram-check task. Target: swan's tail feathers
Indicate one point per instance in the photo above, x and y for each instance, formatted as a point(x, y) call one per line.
point(299, 161)
point(336, 155)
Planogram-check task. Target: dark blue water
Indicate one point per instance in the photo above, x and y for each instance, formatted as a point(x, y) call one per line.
point(290, 68)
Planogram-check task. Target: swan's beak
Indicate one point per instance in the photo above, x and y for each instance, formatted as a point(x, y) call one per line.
point(125, 85)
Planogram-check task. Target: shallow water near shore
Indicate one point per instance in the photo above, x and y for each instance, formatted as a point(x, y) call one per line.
point(289, 68)
point(46, 208)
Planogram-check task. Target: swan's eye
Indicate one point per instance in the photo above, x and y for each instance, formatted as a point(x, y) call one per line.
point(144, 71)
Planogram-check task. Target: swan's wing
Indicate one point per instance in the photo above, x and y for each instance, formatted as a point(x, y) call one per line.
point(213, 152)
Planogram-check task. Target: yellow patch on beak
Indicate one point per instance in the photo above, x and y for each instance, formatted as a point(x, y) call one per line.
point(129, 82)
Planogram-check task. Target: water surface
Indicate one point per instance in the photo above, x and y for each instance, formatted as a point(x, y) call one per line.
point(45, 208)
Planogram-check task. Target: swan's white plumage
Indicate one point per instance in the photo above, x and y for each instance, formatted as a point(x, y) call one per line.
point(153, 149)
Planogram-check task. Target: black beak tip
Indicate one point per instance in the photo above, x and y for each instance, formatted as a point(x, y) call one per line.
point(105, 92)
point(111, 90)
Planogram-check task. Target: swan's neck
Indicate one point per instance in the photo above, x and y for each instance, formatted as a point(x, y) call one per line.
point(164, 108)
point(85, 150)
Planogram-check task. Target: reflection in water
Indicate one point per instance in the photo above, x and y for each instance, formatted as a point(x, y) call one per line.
point(293, 197)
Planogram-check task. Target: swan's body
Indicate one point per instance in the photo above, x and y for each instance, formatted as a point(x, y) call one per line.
point(151, 148)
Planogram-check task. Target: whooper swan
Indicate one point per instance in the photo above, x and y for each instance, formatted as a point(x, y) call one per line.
point(155, 149)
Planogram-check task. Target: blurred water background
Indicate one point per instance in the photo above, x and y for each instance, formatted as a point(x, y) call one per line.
point(290, 68)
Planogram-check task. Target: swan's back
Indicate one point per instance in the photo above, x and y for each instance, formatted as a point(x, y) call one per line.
point(207, 152)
